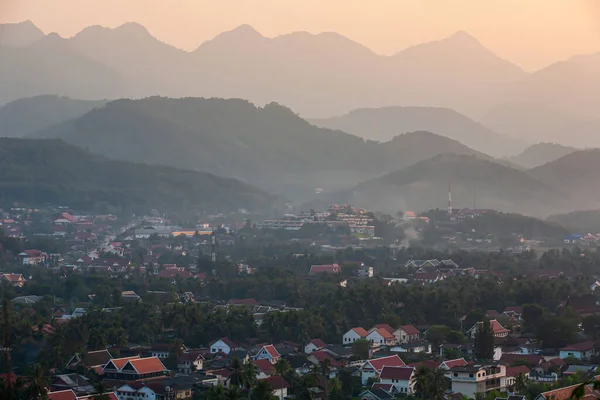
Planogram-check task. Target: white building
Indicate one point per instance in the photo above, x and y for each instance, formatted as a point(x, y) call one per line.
point(402, 378)
point(353, 335)
point(470, 379)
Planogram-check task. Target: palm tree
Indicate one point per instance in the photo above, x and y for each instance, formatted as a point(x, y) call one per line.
point(261, 391)
point(38, 383)
point(282, 367)
point(234, 393)
point(249, 373)
point(439, 384)
point(422, 381)
point(216, 393)
point(101, 391)
point(237, 377)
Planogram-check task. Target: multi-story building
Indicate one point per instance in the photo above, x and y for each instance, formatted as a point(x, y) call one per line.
point(470, 379)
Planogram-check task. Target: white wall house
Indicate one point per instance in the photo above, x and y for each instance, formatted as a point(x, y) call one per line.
point(353, 335)
point(222, 345)
point(402, 378)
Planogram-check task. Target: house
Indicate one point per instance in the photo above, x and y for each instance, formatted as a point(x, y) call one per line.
point(375, 394)
point(381, 337)
point(190, 362)
point(223, 345)
point(497, 329)
point(513, 372)
point(33, 257)
point(325, 269)
point(15, 280)
point(582, 351)
point(428, 277)
point(353, 335)
point(268, 352)
point(413, 347)
point(90, 360)
point(27, 300)
point(401, 378)
point(567, 393)
point(583, 305)
point(470, 379)
point(365, 271)
point(531, 360)
point(407, 333)
point(422, 263)
point(162, 350)
point(75, 382)
point(321, 356)
point(372, 368)
point(134, 368)
point(313, 345)
point(449, 364)
point(265, 368)
point(135, 391)
point(279, 386)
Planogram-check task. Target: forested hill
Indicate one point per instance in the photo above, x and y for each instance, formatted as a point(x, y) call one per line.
point(39, 171)
point(267, 146)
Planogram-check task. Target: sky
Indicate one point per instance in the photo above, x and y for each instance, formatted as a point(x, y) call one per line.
point(530, 33)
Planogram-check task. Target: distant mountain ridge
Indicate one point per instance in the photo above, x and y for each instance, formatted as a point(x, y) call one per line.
point(267, 146)
point(24, 117)
point(384, 123)
point(540, 153)
point(38, 171)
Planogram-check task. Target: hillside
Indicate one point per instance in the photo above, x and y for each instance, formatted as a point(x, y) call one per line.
point(24, 117)
point(384, 123)
point(577, 174)
point(581, 222)
point(307, 72)
point(36, 171)
point(424, 186)
point(19, 34)
point(267, 146)
point(539, 154)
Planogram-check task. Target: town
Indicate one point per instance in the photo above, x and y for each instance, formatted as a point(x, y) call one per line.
point(235, 310)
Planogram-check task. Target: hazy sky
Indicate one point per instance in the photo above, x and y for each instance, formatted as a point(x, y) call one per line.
point(531, 33)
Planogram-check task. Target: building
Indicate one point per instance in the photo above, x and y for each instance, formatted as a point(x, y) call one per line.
point(33, 257)
point(134, 368)
point(401, 378)
point(353, 335)
point(498, 330)
point(15, 280)
point(407, 333)
point(381, 337)
point(325, 269)
point(75, 382)
point(314, 345)
point(372, 368)
point(268, 352)
point(582, 351)
point(162, 350)
point(135, 391)
point(567, 393)
point(470, 379)
point(223, 345)
point(279, 386)
point(90, 360)
point(513, 372)
point(190, 362)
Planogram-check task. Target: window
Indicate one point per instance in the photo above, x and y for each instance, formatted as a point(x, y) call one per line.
point(456, 374)
point(470, 375)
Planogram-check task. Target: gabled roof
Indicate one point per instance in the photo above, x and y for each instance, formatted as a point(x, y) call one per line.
point(62, 395)
point(410, 330)
point(119, 363)
point(271, 350)
point(243, 302)
point(378, 393)
point(514, 371)
point(458, 362)
point(386, 327)
point(583, 346)
point(379, 363)
point(388, 387)
point(227, 341)
point(497, 327)
point(360, 332)
point(146, 365)
point(383, 333)
point(510, 359)
point(566, 392)
point(95, 358)
point(265, 366)
point(402, 373)
point(318, 343)
point(430, 364)
point(276, 382)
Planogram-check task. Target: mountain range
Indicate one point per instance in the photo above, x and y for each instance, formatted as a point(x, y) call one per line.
point(384, 123)
point(539, 154)
point(39, 171)
point(317, 75)
point(267, 146)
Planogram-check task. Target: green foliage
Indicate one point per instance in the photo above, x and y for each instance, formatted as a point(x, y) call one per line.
point(483, 344)
point(50, 171)
point(361, 348)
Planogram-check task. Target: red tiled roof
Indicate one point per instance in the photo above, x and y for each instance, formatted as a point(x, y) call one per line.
point(272, 351)
point(565, 393)
point(322, 355)
point(430, 364)
point(119, 363)
point(514, 371)
point(319, 343)
point(497, 327)
point(385, 334)
point(510, 359)
point(175, 272)
point(276, 382)
point(515, 309)
point(402, 373)
point(13, 277)
point(410, 330)
point(147, 365)
point(458, 362)
point(225, 373)
point(62, 395)
point(391, 361)
point(386, 327)
point(265, 366)
point(360, 332)
point(583, 346)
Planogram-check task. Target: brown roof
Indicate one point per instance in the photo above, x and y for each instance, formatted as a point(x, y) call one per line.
point(319, 343)
point(385, 334)
point(96, 358)
point(147, 365)
point(514, 371)
point(265, 366)
point(391, 361)
point(510, 359)
point(276, 382)
point(410, 330)
point(458, 362)
point(402, 373)
point(583, 346)
point(240, 302)
point(566, 392)
point(62, 395)
point(386, 327)
point(361, 332)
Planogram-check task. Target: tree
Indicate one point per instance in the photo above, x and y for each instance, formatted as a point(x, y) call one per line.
point(361, 348)
point(237, 376)
point(437, 335)
point(262, 391)
point(249, 373)
point(484, 341)
point(38, 383)
point(423, 381)
point(520, 385)
point(282, 367)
